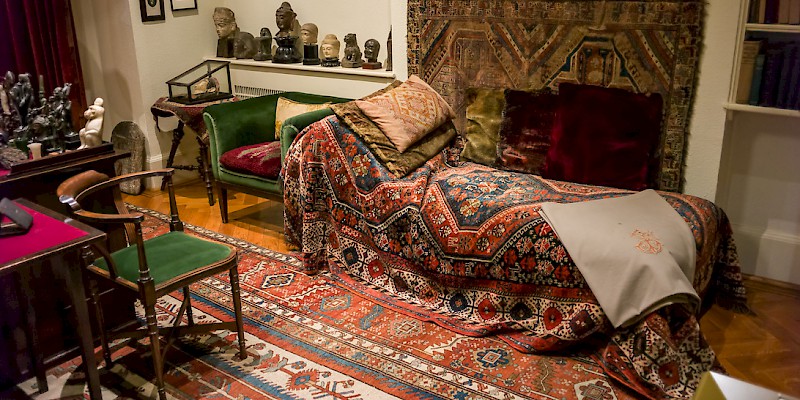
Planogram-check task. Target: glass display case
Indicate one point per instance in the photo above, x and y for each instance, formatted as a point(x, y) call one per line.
point(207, 81)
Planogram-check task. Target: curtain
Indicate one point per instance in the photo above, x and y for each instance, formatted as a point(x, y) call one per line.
point(38, 37)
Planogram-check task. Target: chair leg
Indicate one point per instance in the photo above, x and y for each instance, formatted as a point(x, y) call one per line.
point(237, 310)
point(98, 312)
point(223, 203)
point(155, 347)
point(188, 299)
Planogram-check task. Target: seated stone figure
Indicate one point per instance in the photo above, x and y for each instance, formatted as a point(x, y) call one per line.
point(352, 53)
point(92, 134)
point(371, 50)
point(232, 42)
point(330, 51)
point(264, 45)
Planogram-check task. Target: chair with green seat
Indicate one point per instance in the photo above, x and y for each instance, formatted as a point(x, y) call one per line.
point(153, 267)
point(241, 125)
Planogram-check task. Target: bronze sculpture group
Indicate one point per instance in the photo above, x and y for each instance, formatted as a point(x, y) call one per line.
point(23, 122)
point(294, 44)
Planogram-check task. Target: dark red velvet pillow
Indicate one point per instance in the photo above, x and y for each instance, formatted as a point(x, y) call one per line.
point(525, 130)
point(605, 137)
point(263, 159)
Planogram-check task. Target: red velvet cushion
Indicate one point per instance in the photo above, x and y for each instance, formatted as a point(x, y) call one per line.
point(525, 130)
point(605, 137)
point(263, 159)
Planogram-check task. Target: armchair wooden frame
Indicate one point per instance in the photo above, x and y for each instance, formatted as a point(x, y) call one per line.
point(78, 189)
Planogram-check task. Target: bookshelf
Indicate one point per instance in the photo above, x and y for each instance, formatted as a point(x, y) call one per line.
point(769, 52)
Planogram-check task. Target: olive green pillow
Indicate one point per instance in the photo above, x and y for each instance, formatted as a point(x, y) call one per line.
point(482, 132)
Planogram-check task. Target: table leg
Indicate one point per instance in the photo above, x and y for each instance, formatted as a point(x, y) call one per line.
point(70, 268)
point(31, 333)
point(205, 169)
point(177, 136)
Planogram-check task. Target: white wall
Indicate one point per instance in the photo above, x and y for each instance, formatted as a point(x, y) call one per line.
point(127, 62)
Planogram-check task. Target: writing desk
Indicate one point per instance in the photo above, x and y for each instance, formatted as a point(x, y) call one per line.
point(56, 241)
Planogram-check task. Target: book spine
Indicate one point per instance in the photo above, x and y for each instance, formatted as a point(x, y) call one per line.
point(773, 61)
point(752, 11)
point(794, 12)
point(755, 86)
point(793, 84)
point(750, 50)
point(783, 11)
point(784, 84)
point(762, 11)
point(771, 12)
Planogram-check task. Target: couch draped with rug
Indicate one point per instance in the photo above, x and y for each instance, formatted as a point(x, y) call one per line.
point(465, 245)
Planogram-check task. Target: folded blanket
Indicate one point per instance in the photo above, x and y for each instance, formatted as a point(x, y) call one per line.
point(636, 252)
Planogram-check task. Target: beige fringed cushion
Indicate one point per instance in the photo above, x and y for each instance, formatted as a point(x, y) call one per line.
point(288, 108)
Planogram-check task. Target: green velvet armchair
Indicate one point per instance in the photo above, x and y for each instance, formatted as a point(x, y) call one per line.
point(249, 122)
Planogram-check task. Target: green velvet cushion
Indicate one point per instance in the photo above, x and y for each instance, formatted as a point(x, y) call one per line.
point(168, 256)
point(482, 131)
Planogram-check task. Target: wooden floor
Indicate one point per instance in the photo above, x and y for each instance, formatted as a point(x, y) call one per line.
point(763, 349)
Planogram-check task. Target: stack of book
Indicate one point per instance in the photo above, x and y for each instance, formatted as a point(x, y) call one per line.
point(774, 12)
point(769, 75)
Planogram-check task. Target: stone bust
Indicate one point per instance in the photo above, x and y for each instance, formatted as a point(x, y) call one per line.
point(309, 33)
point(330, 50)
point(285, 18)
point(232, 42)
point(371, 49)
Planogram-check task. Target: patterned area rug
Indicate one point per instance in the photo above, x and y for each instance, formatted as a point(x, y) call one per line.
point(638, 45)
point(309, 338)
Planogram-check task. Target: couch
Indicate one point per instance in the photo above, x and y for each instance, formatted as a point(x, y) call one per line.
point(247, 123)
point(468, 246)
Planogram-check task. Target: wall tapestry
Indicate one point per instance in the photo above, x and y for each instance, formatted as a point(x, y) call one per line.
point(642, 46)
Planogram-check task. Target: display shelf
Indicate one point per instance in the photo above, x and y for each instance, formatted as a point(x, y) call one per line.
point(307, 68)
point(761, 110)
point(772, 28)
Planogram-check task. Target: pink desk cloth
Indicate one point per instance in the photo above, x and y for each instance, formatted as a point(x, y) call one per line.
point(46, 232)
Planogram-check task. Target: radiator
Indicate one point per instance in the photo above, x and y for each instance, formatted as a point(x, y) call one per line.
point(246, 92)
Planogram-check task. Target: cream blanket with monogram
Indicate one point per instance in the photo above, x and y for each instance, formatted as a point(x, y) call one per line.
point(636, 252)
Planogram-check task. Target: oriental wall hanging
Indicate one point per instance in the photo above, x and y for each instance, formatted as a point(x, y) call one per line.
point(642, 46)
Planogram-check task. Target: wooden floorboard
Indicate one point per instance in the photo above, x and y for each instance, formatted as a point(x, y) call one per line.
point(763, 348)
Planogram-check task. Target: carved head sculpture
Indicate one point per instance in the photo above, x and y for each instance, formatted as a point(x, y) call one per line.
point(371, 49)
point(224, 21)
point(284, 18)
point(330, 46)
point(309, 33)
point(265, 32)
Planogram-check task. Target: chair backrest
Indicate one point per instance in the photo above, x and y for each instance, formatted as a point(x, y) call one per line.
point(87, 195)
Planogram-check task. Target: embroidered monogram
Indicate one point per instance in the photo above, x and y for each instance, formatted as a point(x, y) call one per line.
point(648, 242)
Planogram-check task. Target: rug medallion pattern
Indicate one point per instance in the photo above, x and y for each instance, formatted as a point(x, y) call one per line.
point(642, 46)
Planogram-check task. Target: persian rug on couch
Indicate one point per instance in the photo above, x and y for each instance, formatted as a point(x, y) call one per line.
point(310, 338)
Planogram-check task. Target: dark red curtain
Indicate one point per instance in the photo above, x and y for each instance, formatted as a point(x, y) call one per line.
point(38, 37)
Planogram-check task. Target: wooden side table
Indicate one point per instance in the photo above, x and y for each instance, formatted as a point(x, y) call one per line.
point(190, 115)
point(56, 241)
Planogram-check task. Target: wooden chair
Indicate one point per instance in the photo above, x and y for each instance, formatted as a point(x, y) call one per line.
point(152, 267)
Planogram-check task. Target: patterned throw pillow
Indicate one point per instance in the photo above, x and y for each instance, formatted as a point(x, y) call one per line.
point(527, 123)
point(481, 133)
point(289, 108)
point(606, 137)
point(263, 159)
point(408, 112)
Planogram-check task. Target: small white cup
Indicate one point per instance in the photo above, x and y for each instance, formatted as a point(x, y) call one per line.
point(36, 150)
